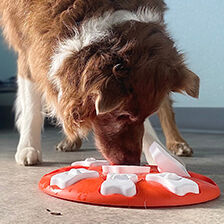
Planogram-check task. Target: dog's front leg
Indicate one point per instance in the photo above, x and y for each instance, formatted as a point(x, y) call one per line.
point(28, 118)
point(69, 146)
point(174, 141)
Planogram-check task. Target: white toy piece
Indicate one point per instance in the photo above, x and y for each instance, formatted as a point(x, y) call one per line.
point(174, 183)
point(119, 184)
point(165, 162)
point(90, 162)
point(132, 177)
point(122, 179)
point(125, 169)
point(65, 179)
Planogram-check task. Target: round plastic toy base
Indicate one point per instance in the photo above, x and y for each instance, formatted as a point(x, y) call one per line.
point(148, 194)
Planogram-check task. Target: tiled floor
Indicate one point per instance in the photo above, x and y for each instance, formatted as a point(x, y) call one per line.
point(22, 202)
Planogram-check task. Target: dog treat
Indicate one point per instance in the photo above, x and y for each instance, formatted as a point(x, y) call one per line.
point(89, 162)
point(174, 183)
point(165, 162)
point(54, 213)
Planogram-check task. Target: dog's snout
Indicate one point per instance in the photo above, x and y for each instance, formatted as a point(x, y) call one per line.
point(127, 160)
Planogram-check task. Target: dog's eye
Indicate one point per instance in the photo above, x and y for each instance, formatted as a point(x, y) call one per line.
point(123, 117)
point(127, 117)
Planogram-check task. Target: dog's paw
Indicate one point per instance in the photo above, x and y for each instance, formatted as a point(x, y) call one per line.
point(180, 149)
point(68, 146)
point(28, 156)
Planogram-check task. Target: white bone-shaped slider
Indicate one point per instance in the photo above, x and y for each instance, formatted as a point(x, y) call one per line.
point(125, 169)
point(91, 162)
point(166, 162)
point(174, 183)
point(65, 179)
point(119, 184)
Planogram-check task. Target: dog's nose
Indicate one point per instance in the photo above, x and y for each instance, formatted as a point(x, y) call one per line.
point(125, 161)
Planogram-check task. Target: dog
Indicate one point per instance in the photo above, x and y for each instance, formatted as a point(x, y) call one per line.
point(101, 65)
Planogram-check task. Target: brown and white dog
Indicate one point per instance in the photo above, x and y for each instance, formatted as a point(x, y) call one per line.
point(105, 65)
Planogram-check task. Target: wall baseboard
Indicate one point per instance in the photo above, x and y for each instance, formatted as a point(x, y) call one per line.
point(194, 119)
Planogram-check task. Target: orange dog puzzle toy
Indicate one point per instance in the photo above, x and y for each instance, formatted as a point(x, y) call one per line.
point(97, 182)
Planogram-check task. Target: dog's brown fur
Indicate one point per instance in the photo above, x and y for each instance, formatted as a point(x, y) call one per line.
point(131, 73)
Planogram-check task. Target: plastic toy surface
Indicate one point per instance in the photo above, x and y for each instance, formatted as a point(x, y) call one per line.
point(96, 182)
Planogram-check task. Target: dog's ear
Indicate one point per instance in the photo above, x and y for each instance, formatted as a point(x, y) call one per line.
point(187, 81)
point(107, 83)
point(111, 95)
point(113, 92)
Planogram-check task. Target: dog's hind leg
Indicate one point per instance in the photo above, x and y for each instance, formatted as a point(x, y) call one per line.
point(174, 140)
point(28, 117)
